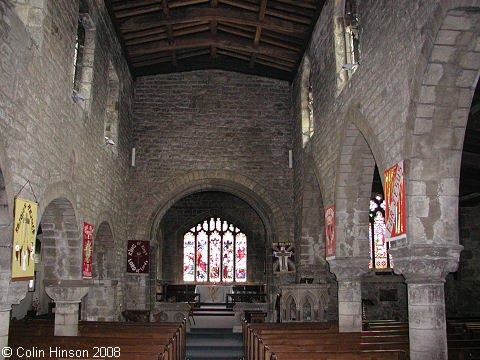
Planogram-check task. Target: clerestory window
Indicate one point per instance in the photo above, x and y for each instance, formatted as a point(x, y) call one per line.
point(215, 251)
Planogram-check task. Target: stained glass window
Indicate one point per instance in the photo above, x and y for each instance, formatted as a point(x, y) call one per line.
point(378, 247)
point(215, 251)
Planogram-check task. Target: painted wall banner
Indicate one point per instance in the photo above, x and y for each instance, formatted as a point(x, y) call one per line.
point(330, 233)
point(87, 250)
point(283, 257)
point(138, 256)
point(24, 236)
point(395, 215)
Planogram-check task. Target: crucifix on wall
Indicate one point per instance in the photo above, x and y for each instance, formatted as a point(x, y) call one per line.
point(283, 257)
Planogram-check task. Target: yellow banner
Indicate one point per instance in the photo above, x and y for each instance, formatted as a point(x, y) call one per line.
point(24, 235)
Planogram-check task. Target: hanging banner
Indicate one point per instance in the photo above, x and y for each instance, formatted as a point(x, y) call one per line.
point(283, 257)
point(24, 236)
point(395, 215)
point(87, 250)
point(330, 233)
point(138, 256)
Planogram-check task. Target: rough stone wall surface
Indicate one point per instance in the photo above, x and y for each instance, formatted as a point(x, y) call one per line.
point(49, 139)
point(211, 120)
point(198, 207)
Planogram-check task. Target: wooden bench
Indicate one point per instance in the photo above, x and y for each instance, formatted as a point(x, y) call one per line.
point(159, 341)
point(322, 341)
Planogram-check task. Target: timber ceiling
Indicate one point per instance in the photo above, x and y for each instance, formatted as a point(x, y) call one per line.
point(261, 37)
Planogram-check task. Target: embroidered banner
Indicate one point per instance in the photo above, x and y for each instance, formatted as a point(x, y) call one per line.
point(283, 257)
point(138, 256)
point(87, 250)
point(395, 216)
point(330, 233)
point(24, 236)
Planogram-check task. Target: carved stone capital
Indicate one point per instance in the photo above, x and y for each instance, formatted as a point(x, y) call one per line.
point(67, 293)
point(348, 268)
point(425, 263)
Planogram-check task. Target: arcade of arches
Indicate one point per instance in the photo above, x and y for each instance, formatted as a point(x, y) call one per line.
point(216, 144)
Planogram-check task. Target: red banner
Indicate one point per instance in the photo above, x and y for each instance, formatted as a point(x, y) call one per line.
point(330, 233)
point(87, 250)
point(395, 215)
point(138, 256)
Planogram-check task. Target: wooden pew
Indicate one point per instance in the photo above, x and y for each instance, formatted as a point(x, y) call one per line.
point(314, 340)
point(166, 340)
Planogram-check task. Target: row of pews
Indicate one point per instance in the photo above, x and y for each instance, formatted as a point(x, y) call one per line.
point(99, 340)
point(321, 341)
point(463, 337)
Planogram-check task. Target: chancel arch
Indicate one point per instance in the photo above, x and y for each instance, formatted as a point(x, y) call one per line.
point(198, 212)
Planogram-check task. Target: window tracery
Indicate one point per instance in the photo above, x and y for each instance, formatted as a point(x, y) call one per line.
point(215, 251)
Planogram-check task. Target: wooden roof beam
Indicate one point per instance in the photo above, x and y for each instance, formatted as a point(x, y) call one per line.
point(271, 12)
point(166, 59)
point(160, 30)
point(208, 14)
point(258, 32)
point(201, 40)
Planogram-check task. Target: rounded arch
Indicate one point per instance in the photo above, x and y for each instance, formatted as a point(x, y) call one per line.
point(103, 258)
point(216, 180)
point(353, 184)
point(61, 246)
point(54, 191)
point(442, 90)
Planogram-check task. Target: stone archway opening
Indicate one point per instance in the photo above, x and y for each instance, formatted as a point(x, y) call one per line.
point(462, 286)
point(99, 304)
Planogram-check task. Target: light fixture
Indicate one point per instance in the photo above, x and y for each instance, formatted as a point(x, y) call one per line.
point(349, 67)
point(109, 141)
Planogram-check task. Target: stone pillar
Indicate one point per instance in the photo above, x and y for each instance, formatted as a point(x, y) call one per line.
point(67, 300)
point(4, 324)
point(425, 268)
point(348, 272)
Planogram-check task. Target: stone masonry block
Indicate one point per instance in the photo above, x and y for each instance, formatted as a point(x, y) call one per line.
point(447, 37)
point(434, 74)
point(443, 53)
point(456, 23)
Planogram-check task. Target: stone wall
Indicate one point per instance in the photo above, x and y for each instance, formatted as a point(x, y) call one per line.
point(51, 140)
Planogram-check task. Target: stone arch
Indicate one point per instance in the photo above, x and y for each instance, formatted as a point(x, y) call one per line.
point(216, 180)
point(62, 247)
point(204, 205)
point(441, 100)
point(310, 298)
point(103, 255)
point(287, 315)
point(101, 300)
point(353, 190)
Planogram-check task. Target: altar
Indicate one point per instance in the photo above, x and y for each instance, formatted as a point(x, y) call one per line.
point(213, 293)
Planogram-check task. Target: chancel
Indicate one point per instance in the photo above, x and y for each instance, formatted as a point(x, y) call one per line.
point(240, 179)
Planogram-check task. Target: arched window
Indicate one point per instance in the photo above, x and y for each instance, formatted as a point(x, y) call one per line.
point(351, 35)
point(215, 251)
point(378, 247)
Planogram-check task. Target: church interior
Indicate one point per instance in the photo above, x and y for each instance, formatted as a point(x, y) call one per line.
point(225, 164)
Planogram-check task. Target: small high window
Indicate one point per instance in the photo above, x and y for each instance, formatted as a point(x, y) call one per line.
point(82, 73)
point(111, 113)
point(352, 51)
point(215, 251)
point(307, 102)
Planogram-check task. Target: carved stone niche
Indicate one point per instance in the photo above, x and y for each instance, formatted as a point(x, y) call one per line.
point(303, 302)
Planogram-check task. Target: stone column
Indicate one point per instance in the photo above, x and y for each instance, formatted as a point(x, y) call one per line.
point(4, 324)
point(348, 272)
point(67, 300)
point(425, 268)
